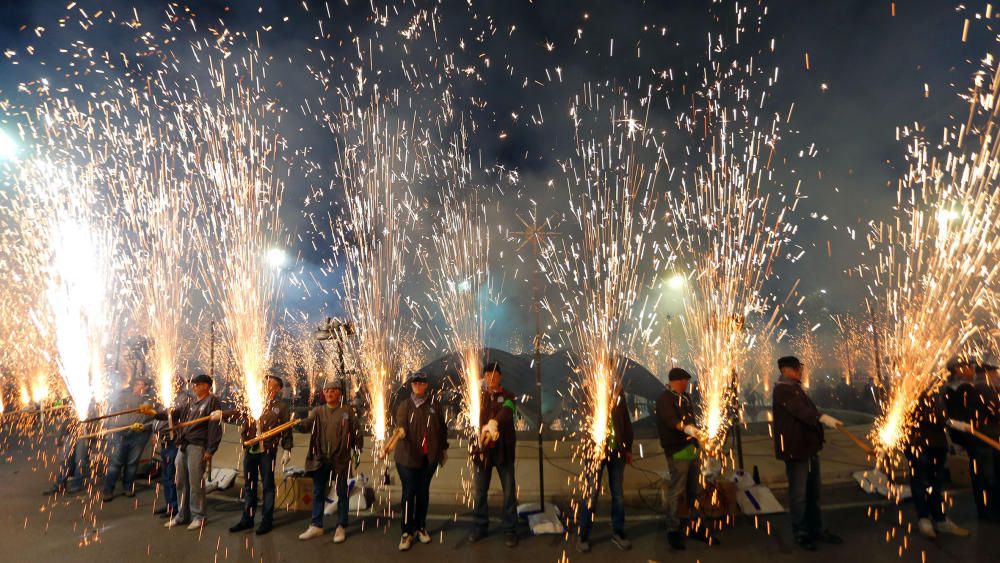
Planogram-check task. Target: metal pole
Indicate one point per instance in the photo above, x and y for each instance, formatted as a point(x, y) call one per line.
point(736, 424)
point(211, 352)
point(538, 380)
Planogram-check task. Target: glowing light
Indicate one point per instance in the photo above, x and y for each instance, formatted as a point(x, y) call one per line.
point(8, 147)
point(277, 258)
point(676, 282)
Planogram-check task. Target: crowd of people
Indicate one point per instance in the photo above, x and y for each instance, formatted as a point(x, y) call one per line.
point(189, 433)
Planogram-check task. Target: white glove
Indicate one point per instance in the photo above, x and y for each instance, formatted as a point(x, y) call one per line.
point(829, 421)
point(959, 425)
point(711, 468)
point(490, 432)
point(692, 430)
point(216, 415)
point(286, 457)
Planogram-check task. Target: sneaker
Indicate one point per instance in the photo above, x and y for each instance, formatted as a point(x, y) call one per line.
point(621, 541)
point(405, 541)
point(242, 526)
point(676, 540)
point(175, 521)
point(311, 532)
point(949, 527)
point(926, 528)
point(826, 536)
point(107, 497)
point(510, 540)
point(264, 528)
point(807, 544)
point(582, 545)
point(476, 535)
point(423, 536)
point(160, 511)
point(339, 535)
point(196, 524)
point(51, 491)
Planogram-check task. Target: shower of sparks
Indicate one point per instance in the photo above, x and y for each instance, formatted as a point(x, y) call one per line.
point(853, 350)
point(806, 348)
point(600, 274)
point(938, 261)
point(239, 155)
point(374, 166)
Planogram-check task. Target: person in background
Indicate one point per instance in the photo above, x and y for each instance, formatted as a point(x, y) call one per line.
point(74, 468)
point(798, 439)
point(196, 444)
point(967, 409)
point(618, 454)
point(927, 453)
point(420, 442)
point(335, 434)
point(675, 425)
point(494, 450)
point(168, 455)
point(127, 446)
point(259, 459)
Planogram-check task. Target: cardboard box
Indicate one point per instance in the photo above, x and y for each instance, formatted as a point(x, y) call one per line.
point(295, 493)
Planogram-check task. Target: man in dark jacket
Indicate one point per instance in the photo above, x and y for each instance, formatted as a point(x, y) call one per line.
point(259, 459)
point(196, 444)
point(927, 453)
point(168, 456)
point(494, 449)
point(420, 440)
point(798, 437)
point(967, 408)
point(618, 453)
point(675, 424)
point(335, 435)
point(126, 447)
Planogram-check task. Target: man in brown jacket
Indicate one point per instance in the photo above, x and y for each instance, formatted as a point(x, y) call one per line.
point(420, 441)
point(259, 459)
point(335, 436)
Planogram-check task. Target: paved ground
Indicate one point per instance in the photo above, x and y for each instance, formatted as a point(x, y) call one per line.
point(36, 528)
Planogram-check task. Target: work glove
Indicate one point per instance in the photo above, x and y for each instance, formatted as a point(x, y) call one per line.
point(147, 410)
point(137, 427)
point(286, 457)
point(390, 444)
point(829, 421)
point(692, 430)
point(216, 415)
point(959, 425)
point(711, 468)
point(490, 433)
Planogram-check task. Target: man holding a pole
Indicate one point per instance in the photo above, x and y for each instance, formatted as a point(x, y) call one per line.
point(798, 438)
point(199, 431)
point(126, 446)
point(259, 459)
point(969, 415)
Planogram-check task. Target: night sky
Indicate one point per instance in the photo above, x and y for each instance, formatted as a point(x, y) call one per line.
point(867, 75)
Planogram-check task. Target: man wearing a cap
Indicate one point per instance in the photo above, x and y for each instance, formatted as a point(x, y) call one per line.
point(675, 424)
point(196, 444)
point(967, 408)
point(420, 441)
point(335, 434)
point(259, 459)
point(798, 438)
point(126, 447)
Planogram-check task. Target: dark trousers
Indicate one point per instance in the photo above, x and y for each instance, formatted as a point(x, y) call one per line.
point(616, 486)
point(481, 488)
point(321, 481)
point(983, 466)
point(76, 464)
point(168, 472)
point(803, 497)
point(926, 477)
point(126, 448)
point(416, 495)
point(259, 465)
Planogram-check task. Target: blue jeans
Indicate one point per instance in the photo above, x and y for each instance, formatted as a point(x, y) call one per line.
point(168, 472)
point(616, 480)
point(76, 464)
point(259, 465)
point(481, 487)
point(926, 475)
point(416, 495)
point(803, 497)
point(126, 448)
point(983, 464)
point(321, 481)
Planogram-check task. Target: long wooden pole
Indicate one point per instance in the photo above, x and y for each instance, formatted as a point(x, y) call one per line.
point(860, 443)
point(36, 411)
point(272, 432)
point(109, 415)
point(986, 439)
point(193, 422)
point(100, 433)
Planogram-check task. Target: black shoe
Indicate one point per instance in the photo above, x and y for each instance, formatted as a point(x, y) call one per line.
point(51, 491)
point(510, 540)
point(582, 545)
point(676, 540)
point(264, 528)
point(621, 541)
point(242, 526)
point(168, 513)
point(477, 535)
point(826, 536)
point(107, 497)
point(160, 511)
point(702, 534)
point(130, 493)
point(807, 544)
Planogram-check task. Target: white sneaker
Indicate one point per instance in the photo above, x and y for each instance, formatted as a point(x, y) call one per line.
point(339, 535)
point(423, 536)
point(949, 527)
point(405, 542)
point(926, 528)
point(196, 524)
point(175, 521)
point(311, 532)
